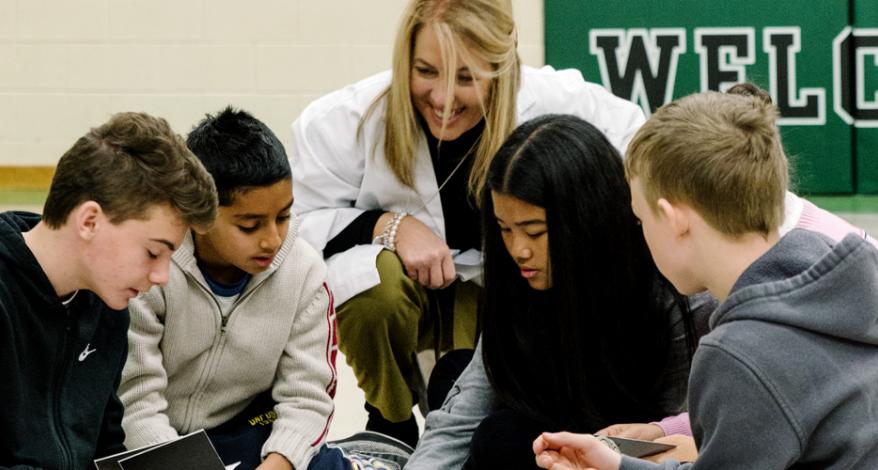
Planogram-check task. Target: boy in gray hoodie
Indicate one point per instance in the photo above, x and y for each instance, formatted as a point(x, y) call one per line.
point(788, 375)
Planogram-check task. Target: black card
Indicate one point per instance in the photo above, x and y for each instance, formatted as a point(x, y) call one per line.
point(638, 448)
point(192, 452)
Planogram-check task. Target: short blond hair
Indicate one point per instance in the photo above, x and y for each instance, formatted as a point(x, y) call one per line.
point(485, 28)
point(721, 154)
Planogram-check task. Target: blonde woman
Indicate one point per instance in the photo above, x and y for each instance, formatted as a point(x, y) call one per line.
point(386, 171)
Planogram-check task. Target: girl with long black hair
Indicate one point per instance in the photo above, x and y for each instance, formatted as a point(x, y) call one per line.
point(579, 330)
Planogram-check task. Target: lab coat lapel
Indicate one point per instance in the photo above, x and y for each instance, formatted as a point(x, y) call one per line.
point(526, 100)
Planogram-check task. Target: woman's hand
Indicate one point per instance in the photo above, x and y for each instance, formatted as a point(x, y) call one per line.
point(427, 259)
point(644, 432)
point(568, 451)
point(684, 452)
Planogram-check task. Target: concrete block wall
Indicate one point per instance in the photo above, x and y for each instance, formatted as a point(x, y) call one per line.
point(67, 65)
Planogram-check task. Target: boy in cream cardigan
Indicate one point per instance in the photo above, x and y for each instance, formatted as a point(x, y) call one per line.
point(241, 341)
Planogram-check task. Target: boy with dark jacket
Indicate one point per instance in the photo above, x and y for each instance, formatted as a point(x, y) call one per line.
point(119, 204)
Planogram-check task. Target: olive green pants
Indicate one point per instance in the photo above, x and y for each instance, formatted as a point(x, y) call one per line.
point(381, 330)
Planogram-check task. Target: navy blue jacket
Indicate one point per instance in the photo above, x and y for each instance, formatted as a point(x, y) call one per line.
point(60, 365)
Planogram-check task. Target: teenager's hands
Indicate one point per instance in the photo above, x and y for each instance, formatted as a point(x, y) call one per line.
point(426, 257)
point(568, 451)
point(275, 462)
point(642, 431)
point(684, 452)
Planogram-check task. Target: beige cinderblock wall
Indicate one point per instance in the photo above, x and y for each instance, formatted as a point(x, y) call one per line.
point(67, 65)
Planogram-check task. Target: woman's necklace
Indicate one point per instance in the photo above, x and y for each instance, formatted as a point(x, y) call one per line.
point(464, 158)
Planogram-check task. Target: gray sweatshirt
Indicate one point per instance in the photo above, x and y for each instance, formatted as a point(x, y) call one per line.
point(788, 375)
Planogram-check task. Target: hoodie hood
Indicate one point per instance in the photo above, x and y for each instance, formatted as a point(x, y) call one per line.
point(16, 257)
point(806, 282)
point(12, 225)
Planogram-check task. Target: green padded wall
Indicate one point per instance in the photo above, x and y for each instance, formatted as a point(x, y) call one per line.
point(652, 51)
point(865, 17)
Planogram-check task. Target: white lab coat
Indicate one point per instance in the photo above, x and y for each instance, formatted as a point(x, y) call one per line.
point(338, 175)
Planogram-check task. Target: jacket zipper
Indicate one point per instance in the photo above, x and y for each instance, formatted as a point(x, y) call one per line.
point(59, 381)
point(217, 344)
point(196, 392)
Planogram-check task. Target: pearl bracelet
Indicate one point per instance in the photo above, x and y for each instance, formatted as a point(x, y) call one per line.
point(388, 236)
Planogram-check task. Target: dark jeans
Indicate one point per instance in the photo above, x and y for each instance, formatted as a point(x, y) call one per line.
point(504, 440)
point(448, 368)
point(240, 439)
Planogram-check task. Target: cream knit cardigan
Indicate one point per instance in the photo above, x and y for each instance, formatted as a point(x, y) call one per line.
point(186, 371)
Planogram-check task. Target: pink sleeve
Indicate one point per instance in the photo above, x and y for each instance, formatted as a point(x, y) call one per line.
point(821, 221)
point(675, 425)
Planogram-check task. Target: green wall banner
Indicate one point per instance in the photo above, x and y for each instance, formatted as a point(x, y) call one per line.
point(861, 44)
point(818, 60)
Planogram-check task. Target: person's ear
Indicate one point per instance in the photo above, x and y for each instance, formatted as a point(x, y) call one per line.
point(675, 216)
point(87, 219)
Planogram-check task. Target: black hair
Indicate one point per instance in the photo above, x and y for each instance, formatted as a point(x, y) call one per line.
point(239, 151)
point(593, 349)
